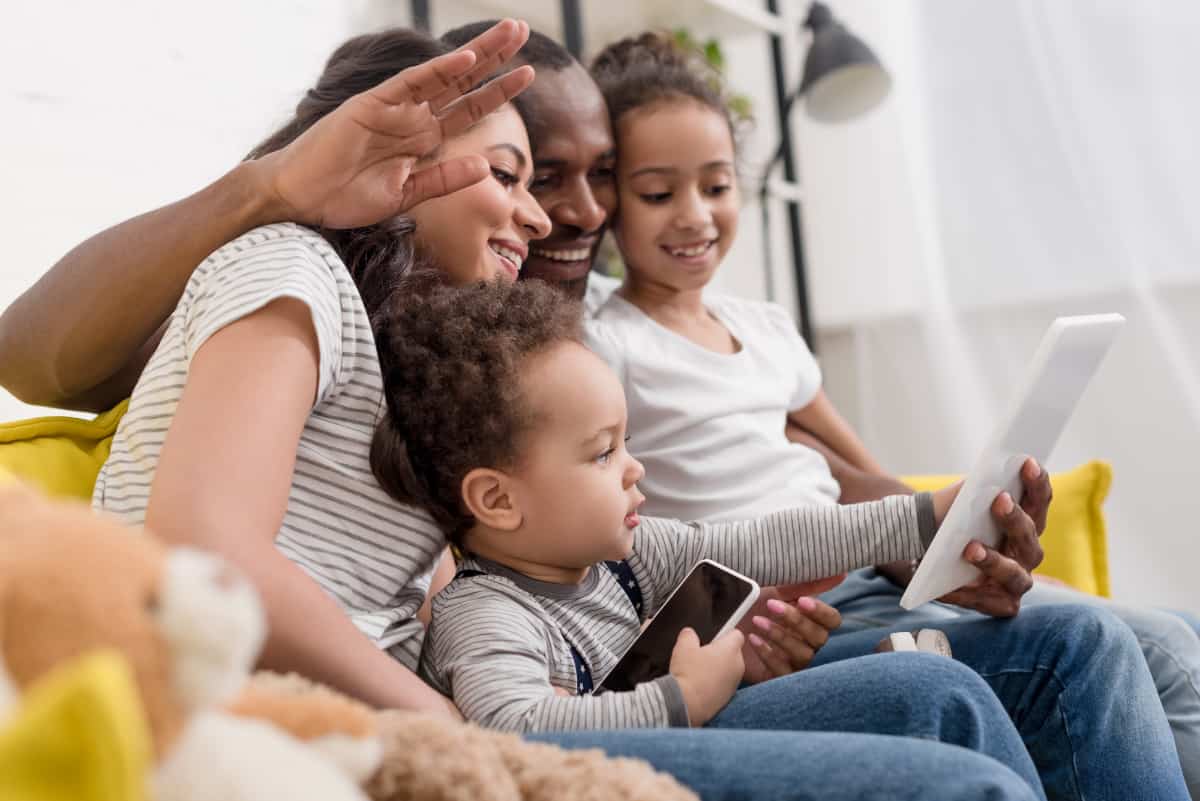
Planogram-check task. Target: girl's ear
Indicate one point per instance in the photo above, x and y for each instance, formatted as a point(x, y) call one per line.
point(490, 497)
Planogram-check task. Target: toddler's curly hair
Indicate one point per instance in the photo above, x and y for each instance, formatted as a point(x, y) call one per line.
point(451, 360)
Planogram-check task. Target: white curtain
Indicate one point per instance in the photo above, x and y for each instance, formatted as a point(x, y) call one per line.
point(1035, 159)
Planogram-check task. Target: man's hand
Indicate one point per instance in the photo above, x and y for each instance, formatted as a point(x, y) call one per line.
point(355, 166)
point(785, 628)
point(1007, 571)
point(708, 675)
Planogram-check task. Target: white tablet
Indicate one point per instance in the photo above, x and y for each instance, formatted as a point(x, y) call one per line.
point(1060, 371)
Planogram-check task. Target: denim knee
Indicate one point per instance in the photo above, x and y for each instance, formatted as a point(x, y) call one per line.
point(1166, 630)
point(956, 704)
point(1095, 632)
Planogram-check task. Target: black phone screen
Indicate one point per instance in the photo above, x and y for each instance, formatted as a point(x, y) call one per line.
point(706, 599)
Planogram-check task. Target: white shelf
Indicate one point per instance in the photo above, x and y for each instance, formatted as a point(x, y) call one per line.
point(607, 20)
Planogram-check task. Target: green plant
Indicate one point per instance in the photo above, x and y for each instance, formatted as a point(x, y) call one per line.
point(711, 53)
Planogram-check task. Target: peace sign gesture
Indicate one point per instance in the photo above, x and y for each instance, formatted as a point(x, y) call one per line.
point(354, 167)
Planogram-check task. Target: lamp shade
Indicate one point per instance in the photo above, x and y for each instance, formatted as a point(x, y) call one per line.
point(842, 77)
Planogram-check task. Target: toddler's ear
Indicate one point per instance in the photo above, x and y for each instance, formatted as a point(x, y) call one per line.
point(490, 497)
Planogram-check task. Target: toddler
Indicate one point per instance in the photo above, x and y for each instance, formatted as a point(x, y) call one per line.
point(512, 435)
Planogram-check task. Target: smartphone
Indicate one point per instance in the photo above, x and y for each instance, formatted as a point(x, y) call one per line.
point(711, 600)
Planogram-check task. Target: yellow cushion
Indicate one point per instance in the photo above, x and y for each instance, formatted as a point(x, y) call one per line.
point(78, 734)
point(60, 455)
point(1075, 540)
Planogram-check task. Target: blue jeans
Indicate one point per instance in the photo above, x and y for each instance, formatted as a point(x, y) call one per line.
point(1072, 678)
point(824, 734)
point(731, 765)
point(1172, 652)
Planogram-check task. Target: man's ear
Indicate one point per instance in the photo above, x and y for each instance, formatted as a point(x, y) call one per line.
point(491, 499)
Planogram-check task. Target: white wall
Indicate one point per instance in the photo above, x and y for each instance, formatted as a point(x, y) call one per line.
point(113, 108)
point(1030, 162)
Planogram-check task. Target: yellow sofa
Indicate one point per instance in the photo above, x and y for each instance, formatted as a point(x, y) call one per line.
point(62, 455)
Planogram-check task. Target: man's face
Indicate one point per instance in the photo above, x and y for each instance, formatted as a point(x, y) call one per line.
point(574, 166)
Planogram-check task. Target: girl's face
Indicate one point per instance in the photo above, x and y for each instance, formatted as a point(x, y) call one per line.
point(678, 193)
point(483, 232)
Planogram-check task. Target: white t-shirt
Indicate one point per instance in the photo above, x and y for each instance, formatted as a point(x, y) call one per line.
point(599, 288)
point(709, 427)
point(371, 553)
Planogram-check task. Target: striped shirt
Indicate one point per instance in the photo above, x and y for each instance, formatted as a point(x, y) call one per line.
point(371, 553)
point(500, 643)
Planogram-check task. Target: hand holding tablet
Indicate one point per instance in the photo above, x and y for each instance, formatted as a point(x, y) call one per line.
point(1061, 369)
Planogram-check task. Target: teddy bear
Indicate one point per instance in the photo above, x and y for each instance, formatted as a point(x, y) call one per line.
point(191, 628)
point(73, 583)
point(429, 759)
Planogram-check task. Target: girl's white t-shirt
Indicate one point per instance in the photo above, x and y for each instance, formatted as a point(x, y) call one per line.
point(709, 427)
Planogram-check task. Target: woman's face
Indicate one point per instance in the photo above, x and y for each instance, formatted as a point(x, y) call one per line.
point(483, 232)
point(574, 163)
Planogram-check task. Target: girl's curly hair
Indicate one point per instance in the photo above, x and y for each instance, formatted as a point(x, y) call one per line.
point(451, 360)
point(652, 68)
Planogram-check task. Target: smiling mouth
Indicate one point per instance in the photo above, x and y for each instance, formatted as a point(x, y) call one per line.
point(560, 264)
point(511, 258)
point(690, 251)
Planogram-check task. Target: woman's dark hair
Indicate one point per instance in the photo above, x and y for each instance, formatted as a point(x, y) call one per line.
point(451, 360)
point(652, 68)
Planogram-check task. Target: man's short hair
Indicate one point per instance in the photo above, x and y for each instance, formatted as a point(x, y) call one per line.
point(540, 52)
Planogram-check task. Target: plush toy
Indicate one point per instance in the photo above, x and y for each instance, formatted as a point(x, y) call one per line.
point(429, 759)
point(189, 629)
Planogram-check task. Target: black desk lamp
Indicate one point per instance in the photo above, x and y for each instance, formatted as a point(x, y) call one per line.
point(842, 79)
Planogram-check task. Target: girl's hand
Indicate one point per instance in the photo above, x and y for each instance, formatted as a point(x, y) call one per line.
point(355, 166)
point(785, 629)
point(708, 675)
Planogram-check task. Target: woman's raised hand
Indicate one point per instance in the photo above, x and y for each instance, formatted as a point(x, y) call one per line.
point(355, 167)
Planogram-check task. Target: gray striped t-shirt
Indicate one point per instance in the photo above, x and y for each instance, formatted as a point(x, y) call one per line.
point(500, 643)
point(371, 553)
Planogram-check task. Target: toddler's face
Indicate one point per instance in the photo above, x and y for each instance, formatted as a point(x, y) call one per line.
point(576, 483)
point(678, 193)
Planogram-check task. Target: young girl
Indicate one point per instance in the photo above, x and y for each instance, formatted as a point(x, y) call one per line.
point(711, 380)
point(539, 491)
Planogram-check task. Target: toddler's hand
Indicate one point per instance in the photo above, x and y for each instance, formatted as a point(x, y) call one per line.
point(709, 674)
